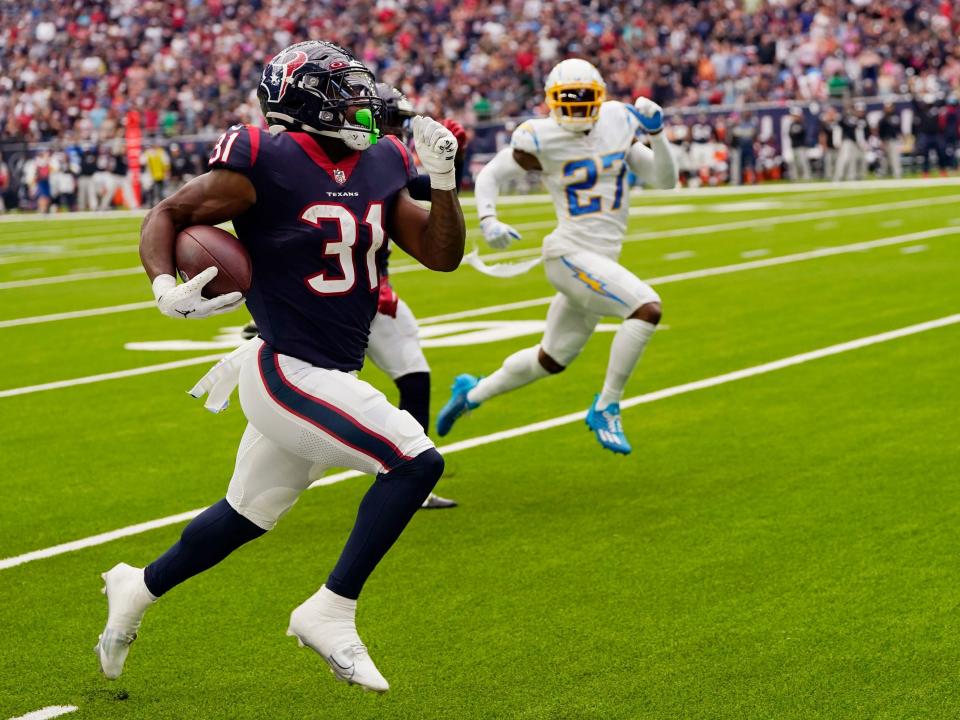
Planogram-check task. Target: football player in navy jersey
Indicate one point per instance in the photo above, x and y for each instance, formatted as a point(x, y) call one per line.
point(394, 344)
point(313, 201)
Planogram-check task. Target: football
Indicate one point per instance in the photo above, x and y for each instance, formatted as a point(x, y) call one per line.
point(202, 246)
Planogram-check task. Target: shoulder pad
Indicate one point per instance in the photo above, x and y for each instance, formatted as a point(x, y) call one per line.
point(525, 139)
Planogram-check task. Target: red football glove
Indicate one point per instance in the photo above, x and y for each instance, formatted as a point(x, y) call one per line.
point(387, 303)
point(458, 132)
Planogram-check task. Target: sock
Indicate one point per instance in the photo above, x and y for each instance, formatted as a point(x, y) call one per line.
point(521, 368)
point(384, 512)
point(415, 396)
point(208, 539)
point(628, 344)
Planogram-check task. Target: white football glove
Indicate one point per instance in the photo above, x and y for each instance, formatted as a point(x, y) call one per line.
point(185, 300)
point(497, 234)
point(436, 146)
point(651, 115)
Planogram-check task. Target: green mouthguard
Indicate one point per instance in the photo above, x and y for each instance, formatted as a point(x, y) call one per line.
point(365, 118)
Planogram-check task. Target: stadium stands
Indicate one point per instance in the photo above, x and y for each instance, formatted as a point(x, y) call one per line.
point(71, 71)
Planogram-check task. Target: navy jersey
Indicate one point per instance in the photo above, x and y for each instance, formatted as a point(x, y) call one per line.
point(314, 236)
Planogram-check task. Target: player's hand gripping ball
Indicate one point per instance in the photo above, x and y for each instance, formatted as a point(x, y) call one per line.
point(186, 300)
point(437, 147)
point(650, 115)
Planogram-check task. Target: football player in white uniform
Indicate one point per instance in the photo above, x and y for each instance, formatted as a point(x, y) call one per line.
point(583, 150)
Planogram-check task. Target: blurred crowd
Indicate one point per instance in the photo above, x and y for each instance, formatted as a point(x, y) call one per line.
point(803, 142)
point(191, 66)
point(831, 142)
point(71, 71)
point(98, 176)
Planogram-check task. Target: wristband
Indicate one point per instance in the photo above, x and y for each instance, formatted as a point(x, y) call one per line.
point(444, 181)
point(161, 284)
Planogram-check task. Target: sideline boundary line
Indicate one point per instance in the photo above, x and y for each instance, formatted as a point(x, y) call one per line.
point(531, 199)
point(682, 389)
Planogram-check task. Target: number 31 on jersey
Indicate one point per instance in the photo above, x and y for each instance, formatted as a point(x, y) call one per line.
point(343, 249)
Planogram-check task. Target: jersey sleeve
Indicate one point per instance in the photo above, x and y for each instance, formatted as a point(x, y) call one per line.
point(419, 188)
point(525, 139)
point(236, 149)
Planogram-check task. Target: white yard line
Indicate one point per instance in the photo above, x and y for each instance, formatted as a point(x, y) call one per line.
point(50, 711)
point(537, 302)
point(89, 379)
point(792, 218)
point(718, 270)
point(37, 236)
point(90, 252)
point(74, 277)
point(74, 314)
point(67, 216)
point(469, 443)
point(632, 237)
point(860, 186)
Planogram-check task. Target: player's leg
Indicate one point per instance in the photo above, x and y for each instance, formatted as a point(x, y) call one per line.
point(394, 347)
point(568, 329)
point(333, 418)
point(266, 482)
point(599, 285)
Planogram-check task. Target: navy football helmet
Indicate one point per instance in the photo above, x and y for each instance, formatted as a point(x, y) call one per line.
point(321, 88)
point(397, 110)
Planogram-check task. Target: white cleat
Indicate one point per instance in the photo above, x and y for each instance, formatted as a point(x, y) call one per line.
point(127, 601)
point(325, 624)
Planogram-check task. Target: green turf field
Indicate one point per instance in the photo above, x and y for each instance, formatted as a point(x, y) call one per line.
point(783, 542)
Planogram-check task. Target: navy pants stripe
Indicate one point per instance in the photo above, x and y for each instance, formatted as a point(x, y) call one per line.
point(323, 415)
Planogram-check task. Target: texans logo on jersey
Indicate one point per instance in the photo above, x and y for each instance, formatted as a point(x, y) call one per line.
point(276, 80)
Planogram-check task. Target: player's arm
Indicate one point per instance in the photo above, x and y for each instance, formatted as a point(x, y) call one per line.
point(435, 238)
point(511, 163)
point(208, 199)
point(654, 165)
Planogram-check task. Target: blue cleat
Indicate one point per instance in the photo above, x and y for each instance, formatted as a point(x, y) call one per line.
point(458, 404)
point(608, 428)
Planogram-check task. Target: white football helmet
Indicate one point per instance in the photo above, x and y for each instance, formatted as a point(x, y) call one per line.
point(575, 91)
